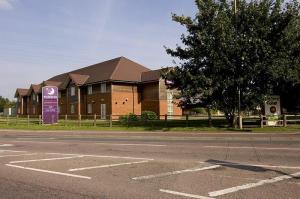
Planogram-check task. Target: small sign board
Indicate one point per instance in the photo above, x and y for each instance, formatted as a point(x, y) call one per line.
point(272, 109)
point(50, 104)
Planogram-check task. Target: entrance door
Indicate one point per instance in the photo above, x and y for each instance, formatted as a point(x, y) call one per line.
point(103, 111)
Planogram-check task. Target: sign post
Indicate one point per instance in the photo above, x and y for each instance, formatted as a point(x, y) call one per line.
point(50, 104)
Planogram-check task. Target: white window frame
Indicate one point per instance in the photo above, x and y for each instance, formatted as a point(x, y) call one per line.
point(103, 88)
point(73, 92)
point(90, 108)
point(90, 90)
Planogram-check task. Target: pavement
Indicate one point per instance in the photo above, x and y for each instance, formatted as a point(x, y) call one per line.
point(66, 164)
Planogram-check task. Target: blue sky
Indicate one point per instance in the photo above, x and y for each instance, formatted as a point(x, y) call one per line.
point(42, 38)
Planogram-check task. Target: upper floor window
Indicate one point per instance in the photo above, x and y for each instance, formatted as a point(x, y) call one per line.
point(37, 98)
point(33, 97)
point(90, 90)
point(59, 94)
point(73, 91)
point(103, 88)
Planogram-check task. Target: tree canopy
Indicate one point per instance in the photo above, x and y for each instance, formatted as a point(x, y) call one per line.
point(5, 103)
point(253, 50)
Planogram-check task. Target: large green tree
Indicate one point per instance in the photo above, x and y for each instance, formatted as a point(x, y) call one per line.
point(6, 103)
point(253, 49)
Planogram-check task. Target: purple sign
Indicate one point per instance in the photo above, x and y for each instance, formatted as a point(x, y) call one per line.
point(50, 104)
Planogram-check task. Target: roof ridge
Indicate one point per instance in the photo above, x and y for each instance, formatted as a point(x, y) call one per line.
point(118, 65)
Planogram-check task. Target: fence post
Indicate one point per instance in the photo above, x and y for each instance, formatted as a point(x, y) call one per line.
point(241, 122)
point(40, 120)
point(28, 117)
point(110, 121)
point(261, 121)
point(166, 119)
point(284, 121)
point(187, 120)
point(95, 119)
point(66, 118)
point(79, 120)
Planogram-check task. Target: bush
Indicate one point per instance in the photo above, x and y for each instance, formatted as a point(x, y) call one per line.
point(148, 115)
point(128, 118)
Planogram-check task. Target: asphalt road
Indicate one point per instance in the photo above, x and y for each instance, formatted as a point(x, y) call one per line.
point(148, 165)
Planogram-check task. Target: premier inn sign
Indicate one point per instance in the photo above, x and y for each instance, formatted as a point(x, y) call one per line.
point(50, 104)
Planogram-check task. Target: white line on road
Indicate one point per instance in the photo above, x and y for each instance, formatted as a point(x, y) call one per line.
point(175, 172)
point(253, 165)
point(246, 147)
point(3, 145)
point(3, 156)
point(47, 159)
point(101, 156)
point(122, 144)
point(184, 194)
point(13, 151)
point(107, 166)
point(252, 185)
point(41, 138)
point(47, 171)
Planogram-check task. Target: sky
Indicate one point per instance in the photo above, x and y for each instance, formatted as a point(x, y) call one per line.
point(42, 38)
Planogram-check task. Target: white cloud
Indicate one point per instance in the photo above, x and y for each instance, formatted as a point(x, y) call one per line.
point(6, 4)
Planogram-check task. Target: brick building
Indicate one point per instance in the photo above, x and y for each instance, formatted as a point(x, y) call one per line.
point(115, 87)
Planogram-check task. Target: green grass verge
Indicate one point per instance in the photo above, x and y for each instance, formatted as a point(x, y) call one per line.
point(34, 127)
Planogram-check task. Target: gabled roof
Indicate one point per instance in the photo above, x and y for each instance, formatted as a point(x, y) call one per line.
point(51, 83)
point(21, 92)
point(36, 88)
point(79, 80)
point(118, 69)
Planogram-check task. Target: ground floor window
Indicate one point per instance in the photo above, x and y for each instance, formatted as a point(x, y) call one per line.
point(90, 108)
point(72, 108)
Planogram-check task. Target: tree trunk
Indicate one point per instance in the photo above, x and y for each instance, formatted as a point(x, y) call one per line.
point(231, 119)
point(209, 117)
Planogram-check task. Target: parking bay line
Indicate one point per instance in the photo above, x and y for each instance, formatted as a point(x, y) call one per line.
point(47, 159)
point(246, 147)
point(47, 171)
point(184, 194)
point(3, 156)
point(252, 185)
point(107, 166)
point(102, 156)
point(175, 172)
point(12, 151)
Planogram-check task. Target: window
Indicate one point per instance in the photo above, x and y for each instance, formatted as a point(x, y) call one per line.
point(90, 108)
point(72, 108)
point(37, 98)
point(33, 97)
point(72, 91)
point(90, 90)
point(103, 88)
point(59, 94)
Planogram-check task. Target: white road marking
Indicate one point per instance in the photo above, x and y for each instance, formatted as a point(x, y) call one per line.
point(175, 172)
point(47, 159)
point(102, 156)
point(252, 185)
point(13, 151)
point(120, 144)
point(107, 166)
point(253, 165)
point(29, 138)
point(1, 145)
point(47, 171)
point(184, 194)
point(3, 156)
point(246, 147)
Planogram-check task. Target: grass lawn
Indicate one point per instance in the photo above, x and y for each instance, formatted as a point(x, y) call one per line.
point(35, 127)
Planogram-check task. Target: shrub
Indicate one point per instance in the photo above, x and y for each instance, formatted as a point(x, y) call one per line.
point(132, 117)
point(123, 118)
point(148, 115)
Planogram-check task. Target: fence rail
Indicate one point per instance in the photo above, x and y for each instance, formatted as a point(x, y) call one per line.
point(161, 121)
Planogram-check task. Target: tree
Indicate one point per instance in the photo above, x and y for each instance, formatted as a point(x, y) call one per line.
point(254, 51)
point(5, 103)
